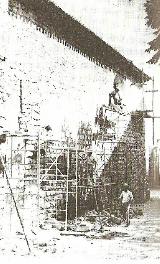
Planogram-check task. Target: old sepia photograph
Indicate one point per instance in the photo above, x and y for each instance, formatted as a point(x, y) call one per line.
point(79, 131)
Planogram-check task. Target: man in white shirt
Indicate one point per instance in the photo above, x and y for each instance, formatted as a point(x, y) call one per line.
point(126, 199)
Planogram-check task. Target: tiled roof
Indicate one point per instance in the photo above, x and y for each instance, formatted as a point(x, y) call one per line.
point(54, 21)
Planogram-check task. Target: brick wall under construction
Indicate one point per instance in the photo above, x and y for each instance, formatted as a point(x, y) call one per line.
point(127, 163)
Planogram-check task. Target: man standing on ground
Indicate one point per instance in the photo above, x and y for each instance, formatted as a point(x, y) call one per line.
point(126, 200)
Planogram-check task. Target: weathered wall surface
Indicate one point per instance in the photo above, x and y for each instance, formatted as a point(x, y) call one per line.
point(67, 85)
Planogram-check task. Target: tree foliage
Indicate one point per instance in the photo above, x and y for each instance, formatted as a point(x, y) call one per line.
point(152, 8)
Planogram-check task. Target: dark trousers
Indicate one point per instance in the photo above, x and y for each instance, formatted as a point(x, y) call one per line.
point(124, 210)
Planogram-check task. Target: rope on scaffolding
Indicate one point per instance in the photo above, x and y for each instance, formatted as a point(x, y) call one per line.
point(14, 200)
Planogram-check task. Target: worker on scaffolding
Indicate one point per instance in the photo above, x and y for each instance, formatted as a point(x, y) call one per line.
point(88, 167)
point(126, 198)
point(88, 179)
point(114, 97)
point(101, 119)
point(91, 167)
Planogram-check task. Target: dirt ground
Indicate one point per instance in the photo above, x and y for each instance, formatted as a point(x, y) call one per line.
point(138, 242)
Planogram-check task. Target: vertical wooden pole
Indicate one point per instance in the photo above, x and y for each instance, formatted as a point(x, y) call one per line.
point(38, 180)
point(153, 122)
point(76, 183)
point(66, 220)
point(20, 97)
point(56, 183)
point(20, 103)
point(11, 155)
